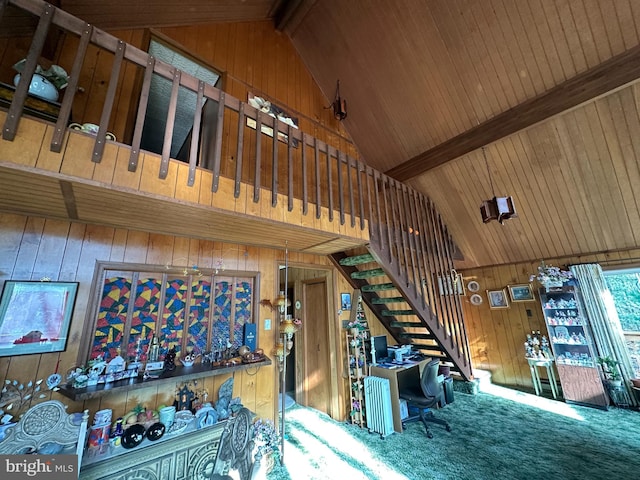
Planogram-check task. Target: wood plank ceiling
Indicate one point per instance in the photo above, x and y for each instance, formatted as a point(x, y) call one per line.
point(417, 73)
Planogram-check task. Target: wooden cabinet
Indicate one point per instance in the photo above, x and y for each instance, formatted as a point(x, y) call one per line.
point(570, 339)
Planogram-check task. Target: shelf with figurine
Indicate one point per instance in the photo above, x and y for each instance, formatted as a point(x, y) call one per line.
point(96, 380)
point(570, 339)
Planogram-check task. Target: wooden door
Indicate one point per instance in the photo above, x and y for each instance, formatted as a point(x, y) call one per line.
point(317, 385)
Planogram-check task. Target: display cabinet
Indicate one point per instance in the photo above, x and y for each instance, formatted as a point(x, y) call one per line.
point(570, 339)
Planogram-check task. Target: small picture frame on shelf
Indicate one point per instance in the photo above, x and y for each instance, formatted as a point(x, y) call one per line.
point(521, 293)
point(497, 299)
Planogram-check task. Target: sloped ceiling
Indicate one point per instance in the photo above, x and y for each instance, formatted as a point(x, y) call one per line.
point(417, 74)
point(428, 83)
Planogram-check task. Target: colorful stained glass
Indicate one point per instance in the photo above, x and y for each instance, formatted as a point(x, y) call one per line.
point(145, 316)
point(199, 316)
point(173, 315)
point(112, 315)
point(221, 314)
point(244, 293)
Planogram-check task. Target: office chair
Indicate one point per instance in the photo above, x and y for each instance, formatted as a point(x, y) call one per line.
point(425, 396)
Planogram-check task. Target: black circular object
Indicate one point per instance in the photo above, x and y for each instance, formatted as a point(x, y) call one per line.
point(155, 431)
point(133, 436)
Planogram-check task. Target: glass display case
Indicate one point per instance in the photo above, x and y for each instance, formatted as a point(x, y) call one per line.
point(567, 327)
point(569, 335)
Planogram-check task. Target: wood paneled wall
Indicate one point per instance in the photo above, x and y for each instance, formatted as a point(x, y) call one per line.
point(496, 337)
point(33, 248)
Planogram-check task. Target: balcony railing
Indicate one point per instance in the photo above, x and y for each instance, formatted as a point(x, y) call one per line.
point(404, 226)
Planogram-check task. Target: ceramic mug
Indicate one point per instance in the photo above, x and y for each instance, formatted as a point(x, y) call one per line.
point(167, 415)
point(91, 128)
point(103, 416)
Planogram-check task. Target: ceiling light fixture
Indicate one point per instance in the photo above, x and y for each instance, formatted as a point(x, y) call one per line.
point(339, 105)
point(498, 208)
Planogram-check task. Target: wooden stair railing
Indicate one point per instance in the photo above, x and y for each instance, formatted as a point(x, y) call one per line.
point(416, 325)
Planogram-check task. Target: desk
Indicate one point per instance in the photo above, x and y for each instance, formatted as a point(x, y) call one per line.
point(546, 363)
point(399, 376)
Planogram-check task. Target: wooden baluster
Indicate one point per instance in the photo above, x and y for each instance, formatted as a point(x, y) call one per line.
point(142, 112)
point(316, 159)
point(352, 206)
point(171, 119)
point(376, 191)
point(241, 122)
point(274, 164)
point(329, 183)
point(388, 216)
point(290, 167)
point(217, 148)
point(20, 95)
point(72, 87)
point(195, 134)
point(340, 186)
point(359, 172)
point(257, 181)
point(305, 175)
point(109, 100)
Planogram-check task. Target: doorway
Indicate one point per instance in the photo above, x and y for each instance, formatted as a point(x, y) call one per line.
point(309, 377)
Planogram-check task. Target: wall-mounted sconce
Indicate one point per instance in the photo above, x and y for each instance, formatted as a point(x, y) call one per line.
point(339, 105)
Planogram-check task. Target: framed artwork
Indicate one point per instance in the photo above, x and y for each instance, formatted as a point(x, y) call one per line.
point(521, 293)
point(345, 301)
point(497, 298)
point(35, 316)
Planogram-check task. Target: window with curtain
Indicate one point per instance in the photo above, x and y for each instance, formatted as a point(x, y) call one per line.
point(624, 285)
point(192, 310)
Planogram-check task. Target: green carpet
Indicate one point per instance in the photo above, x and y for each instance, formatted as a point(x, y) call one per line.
point(520, 437)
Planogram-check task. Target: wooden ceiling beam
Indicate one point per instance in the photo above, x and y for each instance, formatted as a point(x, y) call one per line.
point(603, 79)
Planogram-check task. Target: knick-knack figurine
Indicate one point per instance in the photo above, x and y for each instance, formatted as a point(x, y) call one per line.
point(170, 360)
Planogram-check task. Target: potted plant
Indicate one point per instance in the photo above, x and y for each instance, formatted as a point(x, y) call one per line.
point(610, 370)
point(550, 276)
point(266, 446)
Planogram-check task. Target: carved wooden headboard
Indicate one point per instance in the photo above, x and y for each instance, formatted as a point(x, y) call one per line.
point(47, 428)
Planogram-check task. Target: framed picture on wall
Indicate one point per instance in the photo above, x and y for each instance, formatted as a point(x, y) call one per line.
point(345, 301)
point(497, 298)
point(35, 316)
point(521, 293)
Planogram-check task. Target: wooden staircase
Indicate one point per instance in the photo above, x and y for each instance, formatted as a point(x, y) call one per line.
point(401, 307)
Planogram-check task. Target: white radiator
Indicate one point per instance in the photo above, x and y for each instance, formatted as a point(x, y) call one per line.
point(377, 401)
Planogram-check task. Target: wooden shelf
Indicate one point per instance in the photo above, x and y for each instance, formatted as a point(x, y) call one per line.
point(180, 374)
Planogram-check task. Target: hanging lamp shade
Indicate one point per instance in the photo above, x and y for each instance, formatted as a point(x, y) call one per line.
point(498, 208)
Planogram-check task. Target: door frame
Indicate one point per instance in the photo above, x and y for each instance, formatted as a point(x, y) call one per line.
point(302, 341)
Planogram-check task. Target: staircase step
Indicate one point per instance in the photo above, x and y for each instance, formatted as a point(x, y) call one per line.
point(431, 353)
point(393, 313)
point(381, 300)
point(421, 336)
point(407, 324)
point(357, 260)
point(378, 287)
point(376, 272)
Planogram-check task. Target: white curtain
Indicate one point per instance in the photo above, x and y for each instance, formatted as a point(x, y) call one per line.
point(604, 321)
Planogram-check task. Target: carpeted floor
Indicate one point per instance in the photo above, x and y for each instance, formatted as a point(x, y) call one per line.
point(497, 434)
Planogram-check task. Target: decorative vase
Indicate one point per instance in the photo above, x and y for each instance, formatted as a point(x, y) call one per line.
point(40, 87)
